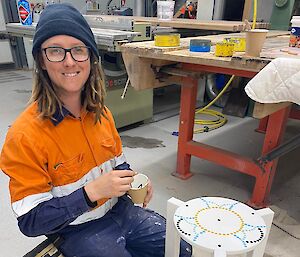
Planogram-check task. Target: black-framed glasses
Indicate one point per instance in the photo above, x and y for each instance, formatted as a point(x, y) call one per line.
point(58, 54)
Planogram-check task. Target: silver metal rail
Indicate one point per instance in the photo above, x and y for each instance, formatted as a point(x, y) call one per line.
point(105, 38)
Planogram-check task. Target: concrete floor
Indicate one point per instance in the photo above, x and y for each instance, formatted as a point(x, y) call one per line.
point(151, 149)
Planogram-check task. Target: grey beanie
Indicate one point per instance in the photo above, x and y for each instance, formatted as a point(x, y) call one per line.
point(63, 19)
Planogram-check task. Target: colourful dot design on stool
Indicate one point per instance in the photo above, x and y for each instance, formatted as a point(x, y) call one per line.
point(214, 222)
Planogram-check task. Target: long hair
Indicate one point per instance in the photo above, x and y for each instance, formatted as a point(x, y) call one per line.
point(92, 95)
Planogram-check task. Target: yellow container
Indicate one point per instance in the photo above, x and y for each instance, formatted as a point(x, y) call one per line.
point(167, 40)
point(239, 43)
point(224, 49)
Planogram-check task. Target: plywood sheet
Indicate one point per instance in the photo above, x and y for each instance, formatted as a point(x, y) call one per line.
point(263, 110)
point(215, 25)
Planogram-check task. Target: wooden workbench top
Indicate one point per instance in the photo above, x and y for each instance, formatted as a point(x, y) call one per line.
point(141, 48)
point(138, 57)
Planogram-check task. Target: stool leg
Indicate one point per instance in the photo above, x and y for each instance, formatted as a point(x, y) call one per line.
point(172, 246)
point(219, 253)
point(267, 214)
point(198, 252)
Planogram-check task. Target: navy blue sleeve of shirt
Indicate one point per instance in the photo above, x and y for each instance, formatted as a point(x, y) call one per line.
point(51, 216)
point(123, 166)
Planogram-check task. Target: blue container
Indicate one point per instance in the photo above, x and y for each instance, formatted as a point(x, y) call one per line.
point(200, 45)
point(25, 13)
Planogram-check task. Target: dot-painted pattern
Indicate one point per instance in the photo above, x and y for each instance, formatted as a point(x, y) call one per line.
point(241, 222)
point(219, 223)
point(178, 227)
point(259, 239)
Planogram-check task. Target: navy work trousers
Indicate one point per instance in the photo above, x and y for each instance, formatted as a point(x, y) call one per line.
point(125, 231)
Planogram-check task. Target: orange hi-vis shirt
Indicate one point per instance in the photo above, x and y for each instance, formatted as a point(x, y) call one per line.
point(45, 160)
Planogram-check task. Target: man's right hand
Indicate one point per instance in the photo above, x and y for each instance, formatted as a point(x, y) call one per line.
point(111, 184)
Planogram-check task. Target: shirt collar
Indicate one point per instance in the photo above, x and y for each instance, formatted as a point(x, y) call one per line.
point(58, 116)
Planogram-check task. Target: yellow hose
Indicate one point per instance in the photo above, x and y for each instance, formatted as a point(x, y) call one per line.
point(254, 14)
point(220, 119)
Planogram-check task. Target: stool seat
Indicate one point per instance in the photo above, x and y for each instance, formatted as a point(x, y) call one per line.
point(215, 223)
point(217, 226)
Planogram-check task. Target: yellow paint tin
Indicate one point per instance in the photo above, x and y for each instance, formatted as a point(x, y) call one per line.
point(167, 40)
point(224, 49)
point(239, 43)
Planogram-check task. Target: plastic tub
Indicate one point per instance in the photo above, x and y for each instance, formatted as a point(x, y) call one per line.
point(165, 10)
point(200, 45)
point(295, 32)
point(167, 40)
point(224, 49)
point(239, 43)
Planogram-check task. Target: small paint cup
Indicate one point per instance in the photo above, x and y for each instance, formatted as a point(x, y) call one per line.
point(139, 188)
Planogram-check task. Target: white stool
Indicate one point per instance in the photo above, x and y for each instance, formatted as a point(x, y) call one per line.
point(218, 227)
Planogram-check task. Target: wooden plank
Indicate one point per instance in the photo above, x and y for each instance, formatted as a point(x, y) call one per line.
point(142, 76)
point(247, 10)
point(279, 48)
point(184, 55)
point(234, 26)
point(262, 110)
point(214, 25)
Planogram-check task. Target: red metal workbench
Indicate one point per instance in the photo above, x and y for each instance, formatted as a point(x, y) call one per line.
point(140, 58)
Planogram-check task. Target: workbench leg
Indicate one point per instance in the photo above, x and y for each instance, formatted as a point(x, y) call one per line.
point(264, 179)
point(295, 113)
point(186, 126)
point(263, 123)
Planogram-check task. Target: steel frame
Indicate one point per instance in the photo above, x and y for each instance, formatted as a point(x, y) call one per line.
point(274, 127)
